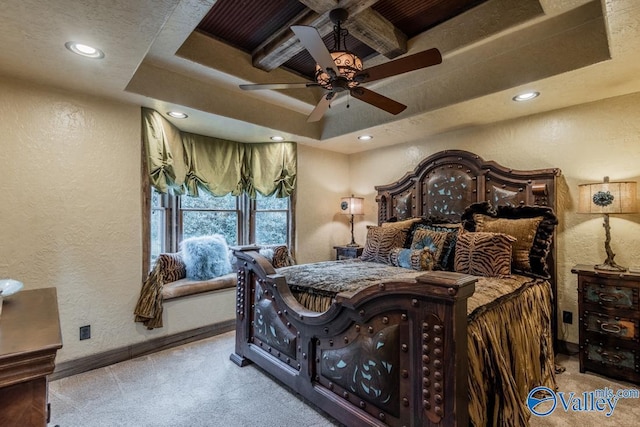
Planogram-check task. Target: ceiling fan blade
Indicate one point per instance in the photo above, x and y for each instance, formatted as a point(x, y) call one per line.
point(321, 108)
point(277, 86)
point(413, 62)
point(377, 100)
point(312, 41)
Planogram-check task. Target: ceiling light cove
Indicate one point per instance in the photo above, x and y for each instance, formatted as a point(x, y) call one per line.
point(84, 50)
point(526, 96)
point(177, 114)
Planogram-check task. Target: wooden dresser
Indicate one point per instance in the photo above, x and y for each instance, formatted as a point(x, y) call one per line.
point(29, 339)
point(609, 322)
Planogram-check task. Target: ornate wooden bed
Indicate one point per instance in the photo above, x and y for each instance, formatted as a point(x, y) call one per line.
point(420, 322)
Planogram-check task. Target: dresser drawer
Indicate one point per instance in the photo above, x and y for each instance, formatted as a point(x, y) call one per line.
point(613, 326)
point(598, 356)
point(606, 294)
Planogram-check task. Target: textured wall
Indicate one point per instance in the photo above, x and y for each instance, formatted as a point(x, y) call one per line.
point(71, 215)
point(323, 178)
point(585, 142)
point(70, 206)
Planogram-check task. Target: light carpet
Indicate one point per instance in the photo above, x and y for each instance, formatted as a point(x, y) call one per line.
point(197, 385)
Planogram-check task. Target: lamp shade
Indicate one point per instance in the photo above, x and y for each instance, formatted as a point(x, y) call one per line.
point(608, 198)
point(352, 205)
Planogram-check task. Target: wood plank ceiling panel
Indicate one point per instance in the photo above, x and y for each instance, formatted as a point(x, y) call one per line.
point(246, 24)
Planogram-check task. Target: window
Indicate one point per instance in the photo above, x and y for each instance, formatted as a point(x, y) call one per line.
point(265, 220)
point(271, 219)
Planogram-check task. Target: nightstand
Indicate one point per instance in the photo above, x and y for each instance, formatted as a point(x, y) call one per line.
point(348, 252)
point(609, 322)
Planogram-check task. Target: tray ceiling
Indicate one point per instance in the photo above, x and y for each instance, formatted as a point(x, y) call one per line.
point(193, 54)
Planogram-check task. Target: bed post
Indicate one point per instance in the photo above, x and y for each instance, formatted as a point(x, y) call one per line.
point(243, 290)
point(444, 383)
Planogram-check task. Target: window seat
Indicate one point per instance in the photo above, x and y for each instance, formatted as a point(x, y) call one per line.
point(184, 287)
point(167, 280)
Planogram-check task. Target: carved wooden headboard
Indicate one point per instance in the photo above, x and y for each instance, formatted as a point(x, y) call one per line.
point(445, 183)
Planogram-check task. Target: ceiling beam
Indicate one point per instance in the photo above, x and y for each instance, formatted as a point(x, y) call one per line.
point(378, 33)
point(283, 44)
point(364, 23)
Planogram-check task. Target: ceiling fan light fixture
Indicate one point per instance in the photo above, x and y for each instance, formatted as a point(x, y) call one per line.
point(340, 70)
point(348, 64)
point(526, 96)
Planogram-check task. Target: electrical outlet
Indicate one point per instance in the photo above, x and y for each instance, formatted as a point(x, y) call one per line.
point(85, 332)
point(567, 317)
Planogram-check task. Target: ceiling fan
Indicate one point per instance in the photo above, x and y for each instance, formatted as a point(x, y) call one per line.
point(340, 70)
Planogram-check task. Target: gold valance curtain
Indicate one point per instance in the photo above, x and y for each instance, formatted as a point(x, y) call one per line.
point(181, 162)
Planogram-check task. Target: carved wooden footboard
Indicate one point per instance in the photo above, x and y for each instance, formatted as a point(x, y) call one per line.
point(392, 354)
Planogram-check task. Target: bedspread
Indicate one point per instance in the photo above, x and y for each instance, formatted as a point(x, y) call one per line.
point(315, 285)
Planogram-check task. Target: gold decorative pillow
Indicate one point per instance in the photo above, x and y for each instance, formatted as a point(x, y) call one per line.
point(523, 229)
point(484, 254)
point(380, 241)
point(403, 225)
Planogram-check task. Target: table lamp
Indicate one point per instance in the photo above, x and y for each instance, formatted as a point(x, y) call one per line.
point(352, 206)
point(608, 198)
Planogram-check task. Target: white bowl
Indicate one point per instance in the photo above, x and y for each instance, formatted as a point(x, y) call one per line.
point(9, 287)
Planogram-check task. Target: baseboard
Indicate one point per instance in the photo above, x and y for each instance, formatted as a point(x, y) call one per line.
point(99, 360)
point(568, 348)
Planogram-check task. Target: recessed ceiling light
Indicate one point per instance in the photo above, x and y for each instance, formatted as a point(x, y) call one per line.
point(277, 138)
point(84, 50)
point(526, 96)
point(177, 114)
point(365, 137)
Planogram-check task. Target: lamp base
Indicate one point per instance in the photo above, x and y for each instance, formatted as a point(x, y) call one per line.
point(609, 267)
point(352, 245)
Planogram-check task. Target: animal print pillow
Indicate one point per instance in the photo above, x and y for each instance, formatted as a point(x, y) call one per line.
point(172, 267)
point(484, 254)
point(380, 241)
point(523, 229)
point(542, 242)
point(278, 255)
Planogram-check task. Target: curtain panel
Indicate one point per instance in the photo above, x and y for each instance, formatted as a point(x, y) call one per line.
point(185, 163)
point(165, 154)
